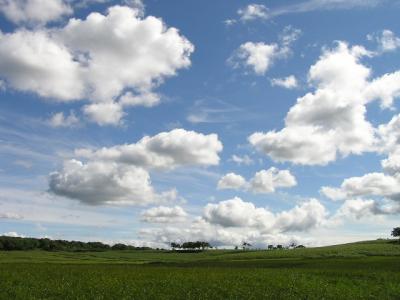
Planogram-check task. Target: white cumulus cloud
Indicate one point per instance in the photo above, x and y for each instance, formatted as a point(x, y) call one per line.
point(231, 181)
point(385, 88)
point(267, 181)
point(359, 208)
point(33, 61)
point(259, 56)
point(252, 12)
point(384, 184)
point(234, 221)
point(238, 213)
point(120, 174)
point(263, 182)
point(371, 184)
point(104, 113)
point(113, 60)
point(332, 119)
point(386, 39)
point(99, 182)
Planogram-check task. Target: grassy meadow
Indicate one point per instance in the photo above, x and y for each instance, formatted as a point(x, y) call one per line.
point(365, 270)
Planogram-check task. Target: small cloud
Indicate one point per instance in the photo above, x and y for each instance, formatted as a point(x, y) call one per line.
point(242, 160)
point(230, 22)
point(289, 82)
point(288, 36)
point(163, 214)
point(259, 56)
point(263, 182)
point(60, 120)
point(231, 181)
point(387, 40)
point(253, 12)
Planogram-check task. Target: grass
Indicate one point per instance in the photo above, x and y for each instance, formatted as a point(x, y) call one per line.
point(367, 270)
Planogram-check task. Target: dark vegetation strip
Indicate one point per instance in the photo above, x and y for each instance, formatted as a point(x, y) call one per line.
point(8, 243)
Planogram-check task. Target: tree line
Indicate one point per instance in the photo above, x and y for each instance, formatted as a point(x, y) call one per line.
point(191, 245)
point(396, 232)
point(9, 243)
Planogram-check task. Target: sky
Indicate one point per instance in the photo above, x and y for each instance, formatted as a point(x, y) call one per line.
point(150, 122)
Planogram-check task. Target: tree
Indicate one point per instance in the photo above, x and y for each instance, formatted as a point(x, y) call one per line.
point(396, 232)
point(193, 245)
point(246, 245)
point(119, 246)
point(204, 245)
point(175, 246)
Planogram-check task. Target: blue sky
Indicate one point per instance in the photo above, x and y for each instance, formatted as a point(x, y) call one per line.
point(158, 121)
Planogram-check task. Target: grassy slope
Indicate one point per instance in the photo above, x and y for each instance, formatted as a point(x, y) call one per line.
point(367, 270)
point(360, 249)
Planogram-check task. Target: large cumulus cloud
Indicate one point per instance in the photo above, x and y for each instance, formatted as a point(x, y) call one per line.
point(331, 121)
point(113, 60)
point(120, 174)
point(100, 182)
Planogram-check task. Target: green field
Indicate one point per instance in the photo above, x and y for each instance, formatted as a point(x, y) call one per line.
point(367, 270)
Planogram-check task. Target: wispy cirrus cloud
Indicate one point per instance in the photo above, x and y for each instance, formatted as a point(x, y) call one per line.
point(314, 5)
point(255, 11)
point(215, 111)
